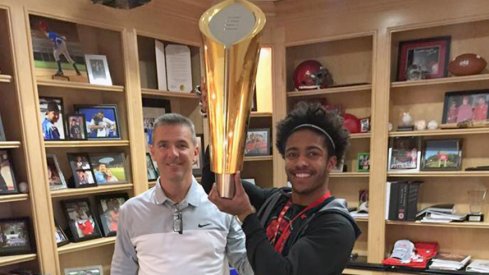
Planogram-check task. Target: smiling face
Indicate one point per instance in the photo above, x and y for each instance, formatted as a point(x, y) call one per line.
point(307, 164)
point(174, 151)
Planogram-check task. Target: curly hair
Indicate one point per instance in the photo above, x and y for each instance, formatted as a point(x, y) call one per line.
point(315, 114)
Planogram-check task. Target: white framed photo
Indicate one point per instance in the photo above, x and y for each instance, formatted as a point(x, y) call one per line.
point(94, 270)
point(98, 69)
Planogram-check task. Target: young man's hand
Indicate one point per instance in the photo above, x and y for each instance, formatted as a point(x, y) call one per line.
point(239, 205)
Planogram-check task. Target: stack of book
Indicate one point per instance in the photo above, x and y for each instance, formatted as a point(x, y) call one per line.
point(446, 261)
point(481, 266)
point(441, 213)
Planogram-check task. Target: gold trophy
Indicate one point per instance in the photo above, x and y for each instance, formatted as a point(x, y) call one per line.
point(231, 30)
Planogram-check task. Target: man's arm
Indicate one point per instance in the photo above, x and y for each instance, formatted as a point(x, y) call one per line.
point(236, 249)
point(323, 250)
point(124, 260)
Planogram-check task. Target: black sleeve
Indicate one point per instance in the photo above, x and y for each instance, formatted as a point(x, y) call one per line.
point(324, 248)
point(256, 194)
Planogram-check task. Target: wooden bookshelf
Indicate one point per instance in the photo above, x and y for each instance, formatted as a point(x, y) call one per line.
point(258, 158)
point(73, 247)
point(168, 94)
point(79, 86)
point(441, 81)
point(85, 143)
point(441, 132)
point(469, 225)
point(5, 78)
point(9, 144)
point(69, 192)
point(13, 197)
point(15, 259)
point(440, 174)
point(332, 90)
point(349, 174)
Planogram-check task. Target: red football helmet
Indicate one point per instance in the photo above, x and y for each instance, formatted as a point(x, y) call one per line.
point(351, 123)
point(310, 74)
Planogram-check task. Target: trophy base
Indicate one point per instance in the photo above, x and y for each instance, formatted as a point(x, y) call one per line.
point(225, 185)
point(475, 217)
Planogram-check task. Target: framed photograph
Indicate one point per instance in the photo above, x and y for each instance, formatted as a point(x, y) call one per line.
point(363, 162)
point(51, 112)
point(404, 154)
point(80, 219)
point(55, 175)
point(60, 236)
point(98, 69)
point(82, 170)
point(15, 236)
point(427, 58)
point(2, 130)
point(152, 172)
point(109, 168)
point(92, 270)
point(7, 178)
point(197, 166)
point(257, 142)
point(76, 127)
point(365, 125)
point(108, 211)
point(442, 154)
point(101, 120)
point(152, 109)
point(466, 106)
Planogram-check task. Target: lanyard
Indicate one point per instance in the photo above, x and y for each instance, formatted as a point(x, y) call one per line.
point(284, 227)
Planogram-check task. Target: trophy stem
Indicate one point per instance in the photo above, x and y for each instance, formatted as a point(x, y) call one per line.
point(225, 185)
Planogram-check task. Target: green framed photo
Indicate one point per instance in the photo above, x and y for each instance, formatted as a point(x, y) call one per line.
point(363, 162)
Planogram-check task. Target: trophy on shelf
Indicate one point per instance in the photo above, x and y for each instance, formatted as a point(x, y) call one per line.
point(231, 30)
point(476, 199)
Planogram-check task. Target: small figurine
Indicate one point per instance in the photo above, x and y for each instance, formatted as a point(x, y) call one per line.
point(432, 125)
point(59, 48)
point(406, 123)
point(420, 125)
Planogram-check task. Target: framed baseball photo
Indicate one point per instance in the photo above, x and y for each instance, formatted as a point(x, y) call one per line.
point(8, 184)
point(51, 112)
point(98, 69)
point(152, 172)
point(108, 207)
point(101, 121)
point(55, 175)
point(76, 127)
point(85, 270)
point(442, 154)
point(257, 142)
point(109, 168)
point(15, 236)
point(80, 219)
point(82, 170)
point(423, 58)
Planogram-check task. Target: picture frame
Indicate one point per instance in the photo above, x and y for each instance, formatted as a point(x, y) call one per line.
point(60, 236)
point(81, 221)
point(2, 130)
point(98, 69)
point(15, 236)
point(152, 109)
point(82, 170)
point(92, 270)
point(151, 171)
point(109, 168)
point(442, 154)
point(199, 162)
point(466, 107)
point(363, 162)
point(76, 127)
point(426, 58)
point(8, 185)
point(365, 125)
point(404, 154)
point(257, 142)
point(101, 121)
point(51, 113)
point(56, 178)
point(108, 207)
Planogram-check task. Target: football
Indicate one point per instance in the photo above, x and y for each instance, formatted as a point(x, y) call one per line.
point(467, 64)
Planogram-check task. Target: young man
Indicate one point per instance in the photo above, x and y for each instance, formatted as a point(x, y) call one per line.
point(304, 230)
point(173, 228)
point(49, 129)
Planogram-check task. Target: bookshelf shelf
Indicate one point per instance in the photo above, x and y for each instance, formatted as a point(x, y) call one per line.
point(441, 81)
point(168, 94)
point(5, 78)
point(78, 86)
point(260, 114)
point(73, 247)
point(9, 260)
point(90, 190)
point(469, 225)
point(9, 144)
point(13, 197)
point(441, 132)
point(349, 175)
point(360, 136)
point(88, 143)
point(440, 174)
point(333, 90)
point(258, 158)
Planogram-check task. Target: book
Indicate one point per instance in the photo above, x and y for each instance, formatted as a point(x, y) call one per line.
point(402, 200)
point(448, 261)
point(481, 266)
point(447, 208)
